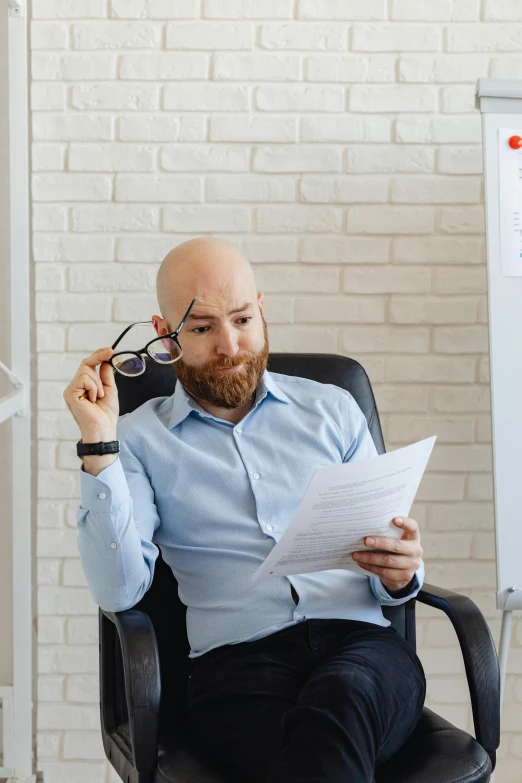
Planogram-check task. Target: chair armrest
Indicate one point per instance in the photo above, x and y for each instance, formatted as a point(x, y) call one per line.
point(480, 660)
point(142, 682)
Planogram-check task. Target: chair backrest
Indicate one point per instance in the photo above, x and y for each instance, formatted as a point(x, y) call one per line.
point(161, 602)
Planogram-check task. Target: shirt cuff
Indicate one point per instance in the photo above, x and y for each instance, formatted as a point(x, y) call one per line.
point(106, 490)
point(406, 593)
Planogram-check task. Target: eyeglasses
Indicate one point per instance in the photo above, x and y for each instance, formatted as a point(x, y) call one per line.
point(164, 350)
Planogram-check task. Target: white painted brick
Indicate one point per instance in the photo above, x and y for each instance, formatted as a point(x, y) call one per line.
point(299, 218)
point(410, 159)
point(206, 97)
point(248, 9)
point(154, 9)
point(295, 279)
point(50, 630)
point(57, 543)
point(160, 127)
point(392, 98)
point(460, 281)
point(476, 398)
point(250, 188)
point(110, 157)
point(346, 128)
point(83, 745)
point(50, 337)
point(298, 158)
point(385, 280)
point(50, 687)
point(48, 35)
point(506, 67)
point(164, 65)
point(73, 575)
point(57, 484)
point(49, 247)
point(50, 398)
point(71, 187)
point(65, 601)
point(464, 516)
point(49, 278)
point(431, 369)
point(97, 97)
point(67, 9)
point(146, 248)
point(439, 130)
point(483, 370)
point(438, 250)
point(447, 546)
point(279, 310)
point(48, 572)
point(398, 399)
point(83, 688)
point(462, 220)
point(48, 745)
point(49, 218)
point(68, 716)
point(435, 190)
point(257, 67)
point(71, 127)
point(207, 218)
point(57, 366)
point(301, 35)
point(66, 453)
point(46, 448)
point(340, 309)
point(116, 35)
point(67, 659)
point(252, 128)
point(350, 68)
point(73, 66)
point(114, 277)
point(465, 458)
point(303, 339)
point(436, 486)
point(344, 250)
point(395, 38)
point(460, 160)
point(74, 772)
point(484, 38)
point(390, 219)
point(48, 157)
point(131, 187)
point(81, 630)
point(484, 546)
point(47, 97)
point(458, 99)
point(351, 10)
point(49, 513)
point(484, 431)
point(442, 68)
point(461, 339)
point(210, 35)
point(344, 190)
point(385, 339)
point(422, 10)
point(448, 310)
point(299, 98)
point(204, 158)
point(72, 307)
point(270, 249)
point(114, 217)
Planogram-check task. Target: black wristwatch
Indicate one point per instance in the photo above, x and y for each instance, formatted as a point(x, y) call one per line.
point(103, 447)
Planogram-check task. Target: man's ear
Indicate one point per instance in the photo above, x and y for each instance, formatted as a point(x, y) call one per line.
point(260, 302)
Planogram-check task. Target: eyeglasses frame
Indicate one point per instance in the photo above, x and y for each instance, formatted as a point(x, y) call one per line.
point(139, 354)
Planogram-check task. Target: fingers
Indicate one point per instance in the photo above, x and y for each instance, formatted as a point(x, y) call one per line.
point(409, 526)
point(102, 354)
point(387, 561)
point(394, 576)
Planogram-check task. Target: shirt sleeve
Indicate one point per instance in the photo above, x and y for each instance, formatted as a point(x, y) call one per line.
point(116, 521)
point(362, 447)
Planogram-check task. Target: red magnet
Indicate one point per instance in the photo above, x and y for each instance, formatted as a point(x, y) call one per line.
point(515, 142)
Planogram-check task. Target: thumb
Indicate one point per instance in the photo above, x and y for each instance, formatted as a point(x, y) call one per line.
point(107, 373)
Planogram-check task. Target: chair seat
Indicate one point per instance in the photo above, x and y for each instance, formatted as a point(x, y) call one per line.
point(436, 752)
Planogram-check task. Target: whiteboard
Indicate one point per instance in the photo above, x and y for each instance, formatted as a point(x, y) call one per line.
point(501, 105)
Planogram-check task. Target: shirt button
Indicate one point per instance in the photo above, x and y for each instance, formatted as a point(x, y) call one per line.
point(255, 475)
point(102, 495)
point(268, 527)
point(238, 429)
point(113, 545)
point(298, 616)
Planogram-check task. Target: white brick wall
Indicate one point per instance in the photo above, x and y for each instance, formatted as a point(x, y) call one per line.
point(336, 142)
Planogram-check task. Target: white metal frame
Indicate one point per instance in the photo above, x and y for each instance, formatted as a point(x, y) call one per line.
point(6, 697)
point(15, 405)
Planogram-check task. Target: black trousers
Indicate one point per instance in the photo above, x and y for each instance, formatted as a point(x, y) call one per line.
point(324, 701)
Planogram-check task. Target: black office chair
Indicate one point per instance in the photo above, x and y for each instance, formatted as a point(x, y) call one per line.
point(144, 662)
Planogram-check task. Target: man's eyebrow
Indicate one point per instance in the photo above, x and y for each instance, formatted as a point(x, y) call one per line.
point(198, 316)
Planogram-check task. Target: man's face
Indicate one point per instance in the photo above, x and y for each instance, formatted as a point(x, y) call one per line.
point(211, 348)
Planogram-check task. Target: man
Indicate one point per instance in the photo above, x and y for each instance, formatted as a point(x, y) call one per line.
point(294, 678)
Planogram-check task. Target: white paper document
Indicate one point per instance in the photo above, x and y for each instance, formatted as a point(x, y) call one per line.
point(342, 505)
point(510, 203)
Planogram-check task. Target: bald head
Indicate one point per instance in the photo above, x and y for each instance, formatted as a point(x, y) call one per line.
point(208, 268)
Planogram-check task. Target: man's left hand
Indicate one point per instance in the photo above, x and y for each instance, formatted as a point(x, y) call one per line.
point(398, 559)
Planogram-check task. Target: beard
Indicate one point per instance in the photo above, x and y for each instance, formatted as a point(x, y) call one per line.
point(229, 390)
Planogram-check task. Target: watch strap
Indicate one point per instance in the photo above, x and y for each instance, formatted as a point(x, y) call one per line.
point(100, 448)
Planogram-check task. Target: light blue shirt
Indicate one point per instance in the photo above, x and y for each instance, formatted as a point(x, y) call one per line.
point(215, 497)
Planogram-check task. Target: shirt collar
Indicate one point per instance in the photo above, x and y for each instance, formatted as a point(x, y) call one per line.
point(183, 404)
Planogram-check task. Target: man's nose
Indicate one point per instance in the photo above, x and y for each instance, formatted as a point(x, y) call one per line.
point(227, 343)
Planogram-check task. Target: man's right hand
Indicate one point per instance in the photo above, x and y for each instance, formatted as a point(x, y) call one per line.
point(96, 414)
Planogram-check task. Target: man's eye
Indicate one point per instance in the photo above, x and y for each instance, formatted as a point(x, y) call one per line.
point(197, 329)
